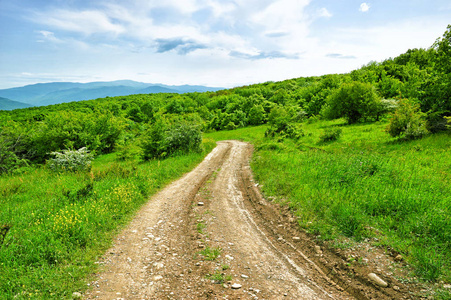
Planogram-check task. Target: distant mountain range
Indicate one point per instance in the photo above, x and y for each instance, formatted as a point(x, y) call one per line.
point(7, 104)
point(59, 92)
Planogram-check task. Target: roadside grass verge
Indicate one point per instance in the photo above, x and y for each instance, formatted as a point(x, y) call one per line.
point(363, 185)
point(61, 223)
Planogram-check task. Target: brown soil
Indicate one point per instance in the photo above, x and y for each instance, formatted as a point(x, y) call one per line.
point(163, 253)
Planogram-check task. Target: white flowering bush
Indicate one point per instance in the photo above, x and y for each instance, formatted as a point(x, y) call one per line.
point(71, 160)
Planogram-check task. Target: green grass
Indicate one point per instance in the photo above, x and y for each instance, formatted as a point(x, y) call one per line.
point(210, 253)
point(200, 227)
point(365, 184)
point(219, 277)
point(62, 223)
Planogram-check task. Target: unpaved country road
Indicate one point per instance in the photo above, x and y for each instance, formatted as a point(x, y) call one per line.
point(164, 252)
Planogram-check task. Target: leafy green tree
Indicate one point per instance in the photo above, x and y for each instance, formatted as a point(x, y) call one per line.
point(314, 95)
point(355, 101)
point(421, 57)
point(367, 74)
point(280, 97)
point(153, 140)
point(435, 90)
point(257, 115)
point(443, 48)
point(388, 86)
point(239, 118)
point(13, 148)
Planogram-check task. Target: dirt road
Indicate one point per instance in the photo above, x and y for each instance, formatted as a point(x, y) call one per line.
point(211, 235)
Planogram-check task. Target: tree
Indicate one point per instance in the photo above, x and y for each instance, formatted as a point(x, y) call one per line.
point(355, 101)
point(12, 148)
point(435, 98)
point(256, 115)
point(443, 48)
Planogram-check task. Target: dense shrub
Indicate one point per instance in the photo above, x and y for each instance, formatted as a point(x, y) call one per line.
point(280, 125)
point(355, 101)
point(71, 160)
point(183, 138)
point(291, 131)
point(330, 135)
point(163, 139)
point(407, 121)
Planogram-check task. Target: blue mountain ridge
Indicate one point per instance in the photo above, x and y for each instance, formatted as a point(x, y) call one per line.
point(7, 104)
point(59, 92)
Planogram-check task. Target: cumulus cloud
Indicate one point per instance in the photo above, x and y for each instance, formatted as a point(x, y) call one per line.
point(364, 7)
point(266, 28)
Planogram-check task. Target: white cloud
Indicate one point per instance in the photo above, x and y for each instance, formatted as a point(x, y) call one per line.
point(246, 26)
point(220, 9)
point(282, 14)
point(49, 36)
point(323, 12)
point(364, 7)
point(86, 22)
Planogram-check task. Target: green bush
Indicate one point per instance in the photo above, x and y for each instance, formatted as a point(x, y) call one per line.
point(278, 118)
point(279, 121)
point(163, 139)
point(71, 160)
point(407, 121)
point(183, 138)
point(330, 135)
point(290, 131)
point(355, 101)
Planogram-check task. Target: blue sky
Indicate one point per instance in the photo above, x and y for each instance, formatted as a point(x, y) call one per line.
point(207, 42)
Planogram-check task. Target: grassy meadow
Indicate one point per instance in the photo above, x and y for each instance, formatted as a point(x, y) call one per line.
point(364, 185)
point(61, 223)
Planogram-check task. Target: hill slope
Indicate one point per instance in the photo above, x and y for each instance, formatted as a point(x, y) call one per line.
point(7, 104)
